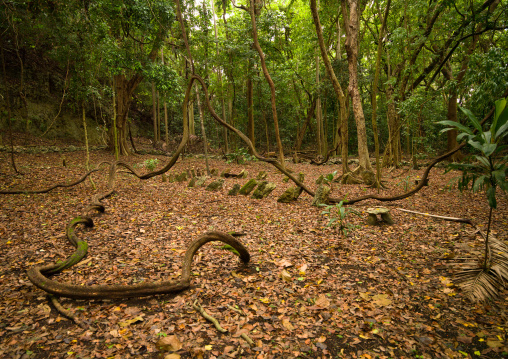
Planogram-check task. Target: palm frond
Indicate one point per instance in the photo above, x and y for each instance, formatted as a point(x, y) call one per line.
point(480, 283)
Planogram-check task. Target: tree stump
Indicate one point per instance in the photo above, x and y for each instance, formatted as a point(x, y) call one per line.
point(181, 177)
point(248, 187)
point(372, 218)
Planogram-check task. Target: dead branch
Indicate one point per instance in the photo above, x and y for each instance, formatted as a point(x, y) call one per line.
point(450, 219)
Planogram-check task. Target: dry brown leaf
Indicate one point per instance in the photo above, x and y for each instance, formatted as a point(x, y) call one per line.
point(169, 344)
point(381, 300)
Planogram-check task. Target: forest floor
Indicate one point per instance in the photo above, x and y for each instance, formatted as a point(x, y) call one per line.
point(308, 292)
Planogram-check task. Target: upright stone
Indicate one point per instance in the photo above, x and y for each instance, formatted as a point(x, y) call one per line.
point(234, 191)
point(200, 181)
point(214, 172)
point(215, 185)
point(243, 174)
point(181, 177)
point(263, 190)
point(248, 187)
point(192, 182)
point(288, 195)
point(320, 179)
point(321, 196)
point(261, 175)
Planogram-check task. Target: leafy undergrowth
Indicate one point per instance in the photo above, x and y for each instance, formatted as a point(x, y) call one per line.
point(308, 292)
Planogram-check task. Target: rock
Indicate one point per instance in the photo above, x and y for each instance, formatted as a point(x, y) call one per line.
point(181, 177)
point(200, 181)
point(383, 211)
point(261, 175)
point(214, 172)
point(164, 178)
point(215, 185)
point(320, 179)
point(225, 172)
point(263, 190)
point(192, 182)
point(321, 196)
point(289, 195)
point(248, 187)
point(243, 174)
point(234, 191)
point(193, 173)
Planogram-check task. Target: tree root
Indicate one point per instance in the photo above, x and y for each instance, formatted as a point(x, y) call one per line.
point(65, 312)
point(247, 339)
point(38, 274)
point(208, 317)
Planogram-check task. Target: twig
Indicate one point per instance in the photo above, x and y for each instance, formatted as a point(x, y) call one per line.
point(64, 311)
point(247, 339)
point(236, 310)
point(451, 219)
point(208, 317)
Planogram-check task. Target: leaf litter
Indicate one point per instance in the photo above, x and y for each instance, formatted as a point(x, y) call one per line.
point(309, 292)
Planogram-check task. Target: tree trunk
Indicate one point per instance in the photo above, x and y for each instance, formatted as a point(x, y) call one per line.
point(154, 114)
point(124, 90)
point(203, 133)
point(269, 80)
point(250, 113)
point(352, 22)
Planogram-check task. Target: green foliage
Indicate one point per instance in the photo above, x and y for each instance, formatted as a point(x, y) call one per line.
point(338, 214)
point(151, 164)
point(490, 169)
point(329, 177)
point(240, 156)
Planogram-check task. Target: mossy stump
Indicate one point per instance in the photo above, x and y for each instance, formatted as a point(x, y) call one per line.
point(263, 190)
point(248, 187)
point(192, 182)
point(373, 213)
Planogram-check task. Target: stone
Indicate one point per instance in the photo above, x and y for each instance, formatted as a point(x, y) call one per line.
point(263, 190)
point(261, 175)
point(215, 186)
point(288, 196)
point(243, 174)
point(181, 177)
point(164, 178)
point(320, 179)
point(321, 196)
point(200, 181)
point(384, 212)
point(214, 172)
point(192, 182)
point(193, 173)
point(248, 187)
point(234, 191)
point(225, 172)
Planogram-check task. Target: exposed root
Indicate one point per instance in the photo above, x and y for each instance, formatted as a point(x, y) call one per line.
point(247, 339)
point(65, 312)
point(208, 317)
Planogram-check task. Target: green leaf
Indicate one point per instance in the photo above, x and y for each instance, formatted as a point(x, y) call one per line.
point(488, 148)
point(478, 183)
point(500, 108)
point(457, 125)
point(491, 196)
point(472, 118)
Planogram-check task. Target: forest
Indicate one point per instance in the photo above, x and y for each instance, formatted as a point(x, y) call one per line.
point(347, 161)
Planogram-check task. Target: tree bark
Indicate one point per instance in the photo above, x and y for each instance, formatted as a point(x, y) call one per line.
point(250, 112)
point(352, 25)
point(268, 79)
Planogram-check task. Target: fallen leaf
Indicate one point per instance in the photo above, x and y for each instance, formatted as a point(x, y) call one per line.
point(381, 300)
point(169, 344)
point(284, 275)
point(287, 324)
point(131, 321)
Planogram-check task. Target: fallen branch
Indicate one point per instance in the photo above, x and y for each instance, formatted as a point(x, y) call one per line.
point(450, 219)
point(247, 339)
point(208, 317)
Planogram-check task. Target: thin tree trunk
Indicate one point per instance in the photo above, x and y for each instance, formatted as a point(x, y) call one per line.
point(203, 133)
point(270, 83)
point(154, 114)
point(9, 109)
point(250, 113)
point(374, 93)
